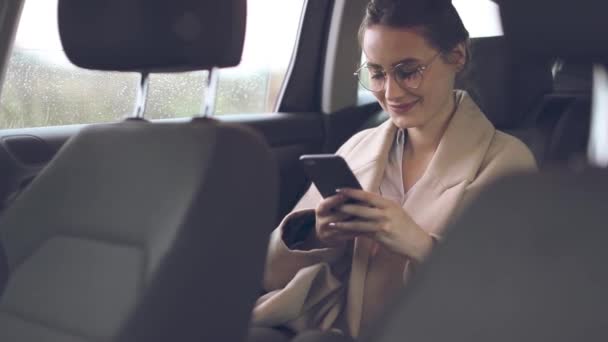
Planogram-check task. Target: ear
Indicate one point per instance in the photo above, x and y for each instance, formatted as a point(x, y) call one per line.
point(458, 56)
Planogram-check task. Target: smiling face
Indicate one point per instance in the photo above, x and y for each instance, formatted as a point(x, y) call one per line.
point(385, 47)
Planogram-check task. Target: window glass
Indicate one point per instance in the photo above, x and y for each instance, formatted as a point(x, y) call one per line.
point(251, 87)
point(42, 88)
point(480, 17)
point(175, 95)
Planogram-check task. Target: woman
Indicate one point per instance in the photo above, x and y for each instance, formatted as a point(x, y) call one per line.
point(334, 266)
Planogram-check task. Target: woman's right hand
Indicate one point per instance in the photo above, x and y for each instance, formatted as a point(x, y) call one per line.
point(327, 213)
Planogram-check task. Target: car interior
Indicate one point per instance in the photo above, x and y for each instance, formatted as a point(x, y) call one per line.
point(146, 157)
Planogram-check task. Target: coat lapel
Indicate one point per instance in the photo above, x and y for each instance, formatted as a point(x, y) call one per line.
point(368, 164)
point(455, 164)
point(368, 160)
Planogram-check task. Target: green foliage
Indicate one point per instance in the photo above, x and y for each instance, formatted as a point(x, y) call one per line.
point(42, 88)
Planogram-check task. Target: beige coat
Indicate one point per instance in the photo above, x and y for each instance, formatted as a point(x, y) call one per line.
point(324, 288)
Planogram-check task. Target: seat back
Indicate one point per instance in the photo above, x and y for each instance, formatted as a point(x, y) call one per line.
point(570, 135)
point(507, 89)
point(511, 91)
point(151, 225)
point(526, 262)
point(141, 231)
point(521, 97)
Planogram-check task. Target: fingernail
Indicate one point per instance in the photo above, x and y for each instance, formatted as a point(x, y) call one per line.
point(339, 191)
point(332, 224)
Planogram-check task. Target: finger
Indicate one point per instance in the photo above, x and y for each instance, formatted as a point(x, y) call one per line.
point(341, 235)
point(338, 236)
point(361, 211)
point(334, 217)
point(370, 198)
point(327, 205)
point(357, 226)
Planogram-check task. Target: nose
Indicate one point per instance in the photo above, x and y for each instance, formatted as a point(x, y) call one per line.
point(392, 89)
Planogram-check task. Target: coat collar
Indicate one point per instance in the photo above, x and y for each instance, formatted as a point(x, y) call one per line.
point(458, 156)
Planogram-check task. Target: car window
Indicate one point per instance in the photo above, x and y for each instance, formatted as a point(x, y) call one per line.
point(42, 88)
point(480, 17)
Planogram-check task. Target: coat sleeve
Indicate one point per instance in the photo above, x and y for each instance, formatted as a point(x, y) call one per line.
point(284, 258)
point(305, 287)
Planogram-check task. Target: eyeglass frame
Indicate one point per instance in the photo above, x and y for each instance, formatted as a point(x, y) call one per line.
point(420, 69)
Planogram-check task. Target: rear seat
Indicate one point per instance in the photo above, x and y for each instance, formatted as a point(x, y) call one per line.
point(513, 93)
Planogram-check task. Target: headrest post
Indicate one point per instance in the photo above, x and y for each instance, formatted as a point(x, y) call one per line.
point(598, 139)
point(210, 94)
point(142, 95)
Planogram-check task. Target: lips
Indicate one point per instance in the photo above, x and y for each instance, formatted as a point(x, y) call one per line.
point(402, 108)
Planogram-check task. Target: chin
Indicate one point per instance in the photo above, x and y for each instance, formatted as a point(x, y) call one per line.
point(406, 121)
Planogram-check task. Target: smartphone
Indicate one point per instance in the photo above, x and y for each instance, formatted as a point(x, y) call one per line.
point(328, 172)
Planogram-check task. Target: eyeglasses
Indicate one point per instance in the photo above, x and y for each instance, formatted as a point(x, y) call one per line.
point(373, 78)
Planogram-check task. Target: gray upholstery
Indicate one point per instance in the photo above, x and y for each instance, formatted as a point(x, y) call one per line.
point(152, 35)
point(526, 262)
point(574, 78)
point(559, 130)
point(570, 136)
point(557, 28)
point(506, 88)
point(141, 232)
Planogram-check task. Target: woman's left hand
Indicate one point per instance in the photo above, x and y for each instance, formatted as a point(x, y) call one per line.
point(386, 222)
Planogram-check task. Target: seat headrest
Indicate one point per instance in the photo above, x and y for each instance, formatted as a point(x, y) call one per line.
point(506, 88)
point(574, 78)
point(573, 30)
point(152, 35)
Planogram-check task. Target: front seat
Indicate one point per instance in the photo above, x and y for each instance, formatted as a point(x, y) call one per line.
point(142, 231)
point(526, 262)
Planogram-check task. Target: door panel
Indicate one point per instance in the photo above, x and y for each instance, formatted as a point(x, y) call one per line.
point(342, 125)
point(28, 150)
point(16, 174)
